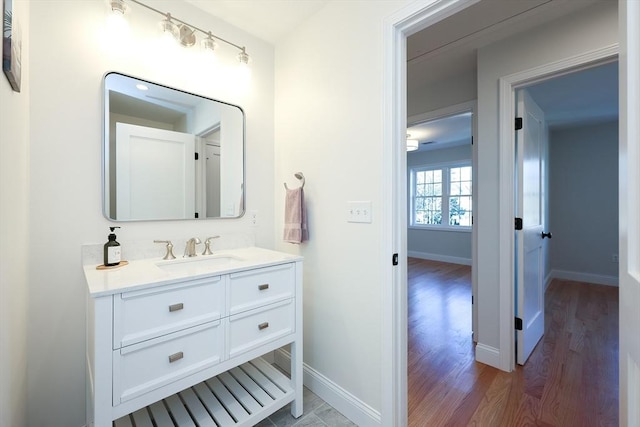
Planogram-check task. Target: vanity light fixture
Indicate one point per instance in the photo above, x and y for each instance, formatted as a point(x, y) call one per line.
point(169, 27)
point(412, 144)
point(209, 43)
point(180, 30)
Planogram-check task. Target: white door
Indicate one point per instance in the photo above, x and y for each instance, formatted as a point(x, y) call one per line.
point(155, 173)
point(529, 241)
point(213, 180)
point(629, 221)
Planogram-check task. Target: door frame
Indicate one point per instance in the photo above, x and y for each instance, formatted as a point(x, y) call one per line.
point(507, 86)
point(463, 107)
point(397, 27)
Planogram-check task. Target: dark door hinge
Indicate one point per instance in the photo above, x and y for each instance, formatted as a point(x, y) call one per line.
point(394, 259)
point(518, 123)
point(197, 156)
point(197, 215)
point(518, 324)
point(518, 223)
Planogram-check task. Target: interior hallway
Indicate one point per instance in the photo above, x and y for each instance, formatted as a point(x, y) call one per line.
point(571, 378)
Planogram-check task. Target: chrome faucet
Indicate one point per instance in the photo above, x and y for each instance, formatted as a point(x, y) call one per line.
point(190, 248)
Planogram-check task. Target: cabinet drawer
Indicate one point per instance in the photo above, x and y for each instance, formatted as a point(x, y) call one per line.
point(144, 367)
point(257, 288)
point(254, 328)
point(147, 314)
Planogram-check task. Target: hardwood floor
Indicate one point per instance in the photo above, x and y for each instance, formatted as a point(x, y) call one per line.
point(571, 378)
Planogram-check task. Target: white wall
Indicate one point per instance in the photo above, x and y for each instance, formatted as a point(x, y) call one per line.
point(579, 32)
point(440, 245)
point(69, 56)
point(455, 89)
point(329, 125)
point(14, 237)
point(583, 200)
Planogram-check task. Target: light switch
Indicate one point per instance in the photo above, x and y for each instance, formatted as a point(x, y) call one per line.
point(359, 212)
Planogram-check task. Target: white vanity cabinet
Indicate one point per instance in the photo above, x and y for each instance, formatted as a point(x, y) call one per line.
point(184, 349)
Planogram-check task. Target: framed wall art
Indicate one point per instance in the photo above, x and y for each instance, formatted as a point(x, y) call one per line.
point(11, 46)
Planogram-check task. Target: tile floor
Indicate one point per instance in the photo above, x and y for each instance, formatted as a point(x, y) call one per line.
point(317, 413)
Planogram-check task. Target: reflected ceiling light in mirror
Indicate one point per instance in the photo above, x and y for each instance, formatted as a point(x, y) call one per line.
point(412, 144)
point(140, 86)
point(179, 30)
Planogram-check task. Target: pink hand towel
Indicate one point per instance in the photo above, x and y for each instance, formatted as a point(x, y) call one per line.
point(295, 221)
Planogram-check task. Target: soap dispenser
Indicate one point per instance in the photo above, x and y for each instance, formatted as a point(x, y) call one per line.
point(112, 253)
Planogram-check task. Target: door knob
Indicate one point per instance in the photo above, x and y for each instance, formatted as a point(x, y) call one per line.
point(543, 234)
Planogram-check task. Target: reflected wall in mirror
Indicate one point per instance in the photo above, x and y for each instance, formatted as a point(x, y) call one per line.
point(170, 154)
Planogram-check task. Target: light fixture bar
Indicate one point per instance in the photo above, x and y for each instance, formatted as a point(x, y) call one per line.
point(206, 33)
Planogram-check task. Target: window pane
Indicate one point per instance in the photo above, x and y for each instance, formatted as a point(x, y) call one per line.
point(419, 177)
point(437, 189)
point(437, 175)
point(465, 173)
point(455, 174)
point(455, 188)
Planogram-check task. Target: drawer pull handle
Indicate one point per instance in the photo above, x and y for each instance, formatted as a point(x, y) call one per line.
point(264, 287)
point(264, 325)
point(176, 307)
point(176, 356)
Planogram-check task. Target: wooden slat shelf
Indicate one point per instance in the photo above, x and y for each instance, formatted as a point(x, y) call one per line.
point(239, 397)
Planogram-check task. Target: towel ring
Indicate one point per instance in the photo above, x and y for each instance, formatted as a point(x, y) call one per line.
point(298, 175)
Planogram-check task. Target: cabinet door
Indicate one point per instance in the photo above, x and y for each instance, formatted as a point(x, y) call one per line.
point(142, 315)
point(143, 367)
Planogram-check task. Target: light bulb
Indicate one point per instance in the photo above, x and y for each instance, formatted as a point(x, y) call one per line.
point(209, 43)
point(243, 57)
point(169, 27)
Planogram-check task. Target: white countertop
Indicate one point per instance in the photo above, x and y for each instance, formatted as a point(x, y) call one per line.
point(145, 273)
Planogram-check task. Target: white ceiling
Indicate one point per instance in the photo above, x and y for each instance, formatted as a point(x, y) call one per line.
point(449, 47)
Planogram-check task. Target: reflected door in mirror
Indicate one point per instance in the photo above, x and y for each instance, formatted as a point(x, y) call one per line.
point(170, 154)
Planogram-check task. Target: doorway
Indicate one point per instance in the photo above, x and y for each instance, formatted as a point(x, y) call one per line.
point(574, 179)
point(498, 265)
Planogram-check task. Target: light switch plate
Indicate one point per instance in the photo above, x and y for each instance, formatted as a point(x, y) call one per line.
point(359, 212)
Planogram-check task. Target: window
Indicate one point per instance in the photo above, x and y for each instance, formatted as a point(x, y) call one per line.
point(441, 196)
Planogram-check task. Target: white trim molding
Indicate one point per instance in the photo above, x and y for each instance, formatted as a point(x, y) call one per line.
point(487, 354)
point(343, 401)
point(577, 276)
point(439, 257)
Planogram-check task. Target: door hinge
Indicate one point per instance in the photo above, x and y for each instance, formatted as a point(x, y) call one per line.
point(472, 140)
point(518, 224)
point(518, 123)
point(518, 324)
point(471, 299)
point(197, 156)
point(394, 259)
point(197, 215)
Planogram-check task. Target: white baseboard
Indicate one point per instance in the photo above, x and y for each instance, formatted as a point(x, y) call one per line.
point(547, 281)
point(343, 401)
point(438, 257)
point(597, 279)
point(488, 355)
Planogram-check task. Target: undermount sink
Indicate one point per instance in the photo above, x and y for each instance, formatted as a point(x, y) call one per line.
point(198, 264)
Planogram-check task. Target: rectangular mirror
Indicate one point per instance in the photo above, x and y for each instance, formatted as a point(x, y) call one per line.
point(170, 154)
